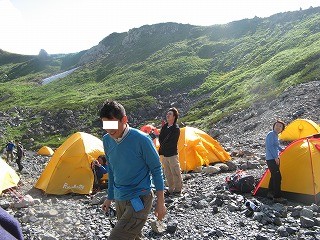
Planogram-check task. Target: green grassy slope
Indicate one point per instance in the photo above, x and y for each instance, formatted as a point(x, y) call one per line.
point(232, 65)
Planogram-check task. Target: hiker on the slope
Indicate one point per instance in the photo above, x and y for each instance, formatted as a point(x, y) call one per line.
point(9, 149)
point(20, 154)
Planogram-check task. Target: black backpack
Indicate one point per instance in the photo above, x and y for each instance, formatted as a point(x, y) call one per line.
point(240, 182)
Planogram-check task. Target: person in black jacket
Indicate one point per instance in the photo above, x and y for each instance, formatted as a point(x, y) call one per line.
point(168, 138)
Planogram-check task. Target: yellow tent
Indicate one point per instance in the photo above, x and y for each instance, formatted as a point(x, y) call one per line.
point(8, 177)
point(300, 171)
point(69, 169)
point(45, 151)
point(299, 128)
point(196, 148)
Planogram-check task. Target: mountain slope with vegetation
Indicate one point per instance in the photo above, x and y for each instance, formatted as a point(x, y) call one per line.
point(207, 72)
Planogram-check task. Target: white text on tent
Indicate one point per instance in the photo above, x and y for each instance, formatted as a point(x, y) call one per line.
point(66, 186)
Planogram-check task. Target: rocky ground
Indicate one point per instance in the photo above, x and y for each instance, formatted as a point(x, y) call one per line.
point(206, 209)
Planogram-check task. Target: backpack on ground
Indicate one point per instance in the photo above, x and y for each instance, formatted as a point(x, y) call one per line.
point(240, 182)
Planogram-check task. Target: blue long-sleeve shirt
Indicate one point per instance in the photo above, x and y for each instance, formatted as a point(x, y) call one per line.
point(100, 170)
point(272, 146)
point(131, 163)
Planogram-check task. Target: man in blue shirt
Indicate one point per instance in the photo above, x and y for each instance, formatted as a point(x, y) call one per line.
point(273, 161)
point(132, 160)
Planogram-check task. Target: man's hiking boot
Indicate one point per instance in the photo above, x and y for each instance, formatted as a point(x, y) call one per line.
point(279, 200)
point(158, 226)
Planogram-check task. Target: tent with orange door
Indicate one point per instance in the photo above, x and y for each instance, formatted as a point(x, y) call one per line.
point(69, 169)
point(299, 128)
point(197, 148)
point(300, 170)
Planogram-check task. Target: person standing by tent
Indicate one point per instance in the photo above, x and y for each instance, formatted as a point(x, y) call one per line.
point(131, 159)
point(273, 161)
point(168, 138)
point(9, 149)
point(20, 154)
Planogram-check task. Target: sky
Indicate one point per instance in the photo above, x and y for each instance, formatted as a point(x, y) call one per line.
point(68, 26)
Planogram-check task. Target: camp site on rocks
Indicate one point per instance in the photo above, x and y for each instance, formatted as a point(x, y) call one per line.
point(206, 208)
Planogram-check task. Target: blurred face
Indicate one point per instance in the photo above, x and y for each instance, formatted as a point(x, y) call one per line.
point(278, 127)
point(115, 127)
point(170, 117)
